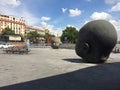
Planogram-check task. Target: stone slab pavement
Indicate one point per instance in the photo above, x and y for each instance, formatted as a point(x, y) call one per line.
point(57, 69)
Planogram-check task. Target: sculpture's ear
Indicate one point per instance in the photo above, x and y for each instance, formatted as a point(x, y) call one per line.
point(85, 48)
point(82, 49)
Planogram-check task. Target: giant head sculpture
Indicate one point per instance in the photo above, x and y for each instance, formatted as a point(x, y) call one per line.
point(96, 39)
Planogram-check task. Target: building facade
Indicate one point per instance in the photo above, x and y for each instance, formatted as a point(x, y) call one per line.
point(35, 28)
point(15, 23)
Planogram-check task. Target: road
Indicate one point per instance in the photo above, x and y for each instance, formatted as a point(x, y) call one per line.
point(57, 69)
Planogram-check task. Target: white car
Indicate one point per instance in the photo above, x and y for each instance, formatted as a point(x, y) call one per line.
point(10, 44)
point(6, 45)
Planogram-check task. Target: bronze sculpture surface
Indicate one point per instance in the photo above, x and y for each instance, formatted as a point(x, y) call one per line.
point(96, 39)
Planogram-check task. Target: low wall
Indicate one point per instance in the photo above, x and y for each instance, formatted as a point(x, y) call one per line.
point(67, 46)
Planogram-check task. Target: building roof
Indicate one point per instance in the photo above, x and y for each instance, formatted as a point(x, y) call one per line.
point(35, 28)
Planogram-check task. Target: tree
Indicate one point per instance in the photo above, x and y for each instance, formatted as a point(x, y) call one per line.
point(69, 35)
point(33, 36)
point(8, 31)
point(47, 35)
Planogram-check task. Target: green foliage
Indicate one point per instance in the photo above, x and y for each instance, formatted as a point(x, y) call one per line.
point(33, 34)
point(47, 35)
point(69, 35)
point(8, 31)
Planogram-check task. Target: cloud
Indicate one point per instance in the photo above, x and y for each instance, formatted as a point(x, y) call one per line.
point(85, 22)
point(116, 7)
point(116, 23)
point(51, 28)
point(118, 33)
point(64, 10)
point(74, 12)
point(111, 1)
point(72, 26)
point(19, 11)
point(117, 27)
point(13, 3)
point(45, 18)
point(30, 18)
point(108, 17)
point(100, 15)
point(45, 25)
point(88, 0)
point(58, 32)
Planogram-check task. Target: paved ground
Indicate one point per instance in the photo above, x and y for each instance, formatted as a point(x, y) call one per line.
point(57, 69)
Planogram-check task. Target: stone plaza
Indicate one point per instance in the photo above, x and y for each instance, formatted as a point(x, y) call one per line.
point(57, 69)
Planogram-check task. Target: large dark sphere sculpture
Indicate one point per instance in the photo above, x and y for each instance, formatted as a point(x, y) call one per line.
point(96, 39)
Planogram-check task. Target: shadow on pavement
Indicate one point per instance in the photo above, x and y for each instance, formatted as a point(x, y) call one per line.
point(101, 77)
point(73, 60)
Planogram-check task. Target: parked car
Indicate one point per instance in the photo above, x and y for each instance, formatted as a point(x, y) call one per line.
point(6, 45)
